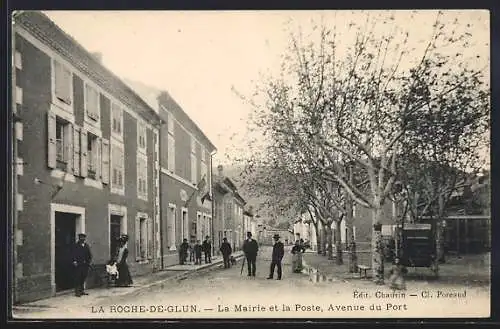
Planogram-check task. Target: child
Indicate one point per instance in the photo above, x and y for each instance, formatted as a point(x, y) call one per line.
point(112, 272)
point(197, 252)
point(396, 279)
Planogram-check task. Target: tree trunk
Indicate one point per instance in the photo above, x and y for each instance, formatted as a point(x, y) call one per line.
point(440, 232)
point(329, 240)
point(338, 244)
point(323, 240)
point(377, 249)
point(352, 257)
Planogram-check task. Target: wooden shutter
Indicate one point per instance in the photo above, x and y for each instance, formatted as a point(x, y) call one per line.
point(68, 147)
point(76, 150)
point(137, 238)
point(98, 162)
point(51, 145)
point(105, 161)
point(83, 153)
point(149, 224)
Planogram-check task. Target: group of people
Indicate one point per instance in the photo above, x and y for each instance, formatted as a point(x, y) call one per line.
point(116, 268)
point(250, 248)
point(195, 251)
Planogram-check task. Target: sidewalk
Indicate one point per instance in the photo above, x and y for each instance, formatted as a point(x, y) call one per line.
point(171, 273)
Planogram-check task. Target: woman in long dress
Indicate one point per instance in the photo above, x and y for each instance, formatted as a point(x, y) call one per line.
point(297, 251)
point(124, 278)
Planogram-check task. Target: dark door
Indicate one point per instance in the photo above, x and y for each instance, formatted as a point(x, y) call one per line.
point(65, 231)
point(114, 233)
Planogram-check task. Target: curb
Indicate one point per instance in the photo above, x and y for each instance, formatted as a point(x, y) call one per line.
point(181, 276)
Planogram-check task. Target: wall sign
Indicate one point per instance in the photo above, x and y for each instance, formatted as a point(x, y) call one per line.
point(184, 195)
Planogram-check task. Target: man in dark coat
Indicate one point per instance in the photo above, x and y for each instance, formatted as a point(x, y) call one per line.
point(197, 249)
point(278, 253)
point(250, 248)
point(207, 249)
point(82, 258)
point(183, 251)
point(226, 250)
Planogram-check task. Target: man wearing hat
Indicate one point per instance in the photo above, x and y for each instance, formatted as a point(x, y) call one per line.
point(278, 253)
point(250, 248)
point(81, 262)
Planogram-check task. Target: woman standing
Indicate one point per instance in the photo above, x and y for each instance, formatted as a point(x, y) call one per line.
point(297, 251)
point(124, 278)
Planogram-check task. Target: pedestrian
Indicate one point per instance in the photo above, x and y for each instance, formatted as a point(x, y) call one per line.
point(197, 248)
point(183, 250)
point(207, 249)
point(278, 253)
point(250, 248)
point(124, 277)
point(397, 272)
point(226, 250)
point(82, 258)
point(191, 252)
point(297, 251)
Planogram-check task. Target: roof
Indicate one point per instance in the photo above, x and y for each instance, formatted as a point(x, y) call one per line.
point(44, 29)
point(168, 103)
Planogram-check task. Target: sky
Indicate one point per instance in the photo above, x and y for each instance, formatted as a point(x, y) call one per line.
point(200, 57)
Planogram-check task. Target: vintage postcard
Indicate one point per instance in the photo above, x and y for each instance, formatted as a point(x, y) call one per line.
point(250, 164)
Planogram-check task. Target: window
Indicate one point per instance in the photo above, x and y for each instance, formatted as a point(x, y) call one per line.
point(63, 83)
point(171, 153)
point(60, 143)
point(171, 220)
point(117, 168)
point(170, 124)
point(143, 237)
point(142, 176)
point(92, 103)
point(194, 167)
point(93, 156)
point(18, 60)
point(117, 120)
point(204, 168)
point(141, 135)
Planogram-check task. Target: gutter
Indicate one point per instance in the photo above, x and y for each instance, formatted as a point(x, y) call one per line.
point(213, 200)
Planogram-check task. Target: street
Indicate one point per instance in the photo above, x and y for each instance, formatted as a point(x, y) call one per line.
point(224, 293)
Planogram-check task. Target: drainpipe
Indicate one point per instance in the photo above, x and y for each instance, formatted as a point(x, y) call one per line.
point(160, 224)
point(213, 201)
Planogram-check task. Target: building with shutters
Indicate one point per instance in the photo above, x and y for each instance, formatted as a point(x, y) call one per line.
point(185, 180)
point(85, 147)
point(229, 219)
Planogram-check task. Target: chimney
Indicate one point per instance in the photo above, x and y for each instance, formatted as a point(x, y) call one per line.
point(98, 56)
point(220, 169)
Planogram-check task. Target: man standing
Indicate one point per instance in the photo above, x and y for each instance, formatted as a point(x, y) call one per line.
point(226, 250)
point(207, 249)
point(250, 248)
point(81, 262)
point(278, 253)
point(183, 251)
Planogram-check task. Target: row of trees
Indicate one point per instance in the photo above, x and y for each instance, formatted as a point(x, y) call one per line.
point(382, 119)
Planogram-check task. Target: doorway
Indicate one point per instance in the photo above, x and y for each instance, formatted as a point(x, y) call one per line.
point(65, 237)
point(115, 229)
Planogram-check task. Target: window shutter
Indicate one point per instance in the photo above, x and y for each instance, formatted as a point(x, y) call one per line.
point(149, 222)
point(105, 161)
point(83, 148)
point(137, 238)
point(76, 150)
point(51, 145)
point(98, 161)
point(69, 147)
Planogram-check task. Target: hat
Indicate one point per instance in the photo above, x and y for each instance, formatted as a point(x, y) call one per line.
point(124, 237)
point(82, 234)
point(249, 233)
point(276, 236)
